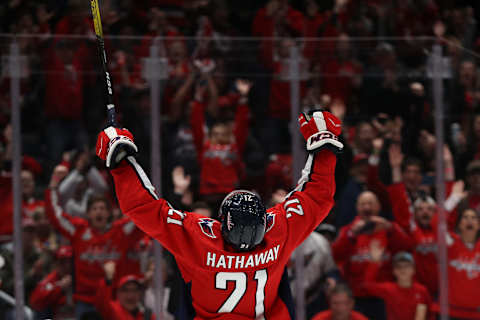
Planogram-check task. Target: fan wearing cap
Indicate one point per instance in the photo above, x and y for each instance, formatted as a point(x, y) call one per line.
point(129, 293)
point(49, 298)
point(404, 298)
point(235, 267)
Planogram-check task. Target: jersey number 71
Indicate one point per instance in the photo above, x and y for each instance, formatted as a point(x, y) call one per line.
point(240, 278)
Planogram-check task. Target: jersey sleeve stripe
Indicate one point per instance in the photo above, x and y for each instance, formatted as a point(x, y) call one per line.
point(142, 177)
point(306, 174)
point(65, 223)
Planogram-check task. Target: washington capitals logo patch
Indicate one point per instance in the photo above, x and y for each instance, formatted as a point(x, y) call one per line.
point(206, 224)
point(270, 221)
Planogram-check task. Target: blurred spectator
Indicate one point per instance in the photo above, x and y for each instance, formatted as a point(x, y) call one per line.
point(127, 304)
point(423, 231)
point(463, 275)
point(351, 250)
point(320, 273)
point(64, 99)
point(342, 74)
point(219, 151)
point(83, 181)
point(276, 19)
point(36, 263)
point(404, 299)
point(341, 305)
point(52, 297)
point(94, 241)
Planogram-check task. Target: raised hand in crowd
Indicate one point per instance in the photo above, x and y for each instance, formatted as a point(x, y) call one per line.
point(109, 269)
point(395, 157)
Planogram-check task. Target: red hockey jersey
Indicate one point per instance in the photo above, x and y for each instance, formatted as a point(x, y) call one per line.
point(226, 284)
point(91, 249)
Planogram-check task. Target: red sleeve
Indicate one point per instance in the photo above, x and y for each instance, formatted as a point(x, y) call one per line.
point(103, 300)
point(241, 127)
point(399, 240)
point(312, 199)
point(61, 221)
point(343, 246)
point(46, 294)
point(400, 205)
point(138, 200)
point(197, 121)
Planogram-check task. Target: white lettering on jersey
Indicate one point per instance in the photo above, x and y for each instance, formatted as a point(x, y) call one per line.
point(175, 221)
point(293, 206)
point(238, 262)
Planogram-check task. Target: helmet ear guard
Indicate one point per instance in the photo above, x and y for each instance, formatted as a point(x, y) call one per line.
point(243, 218)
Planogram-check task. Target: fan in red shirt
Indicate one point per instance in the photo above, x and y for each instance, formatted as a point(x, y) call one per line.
point(220, 152)
point(351, 250)
point(127, 305)
point(423, 231)
point(463, 267)
point(234, 267)
point(49, 298)
point(341, 305)
point(94, 241)
point(404, 299)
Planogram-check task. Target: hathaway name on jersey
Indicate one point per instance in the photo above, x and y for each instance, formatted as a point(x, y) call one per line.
point(242, 262)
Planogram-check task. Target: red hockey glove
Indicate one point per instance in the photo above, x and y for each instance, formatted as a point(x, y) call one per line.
point(114, 144)
point(321, 129)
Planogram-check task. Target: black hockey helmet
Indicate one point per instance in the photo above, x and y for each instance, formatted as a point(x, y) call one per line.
point(243, 218)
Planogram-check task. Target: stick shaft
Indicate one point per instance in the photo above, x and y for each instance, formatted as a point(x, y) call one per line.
point(97, 22)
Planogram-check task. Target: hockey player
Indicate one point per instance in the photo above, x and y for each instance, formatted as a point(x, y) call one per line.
point(234, 267)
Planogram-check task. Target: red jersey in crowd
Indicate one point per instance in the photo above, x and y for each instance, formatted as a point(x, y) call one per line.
point(463, 278)
point(112, 309)
point(48, 294)
point(91, 249)
point(327, 315)
point(425, 239)
point(401, 303)
point(226, 284)
point(352, 254)
point(221, 165)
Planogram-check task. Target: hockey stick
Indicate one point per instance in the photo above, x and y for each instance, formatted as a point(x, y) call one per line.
point(97, 22)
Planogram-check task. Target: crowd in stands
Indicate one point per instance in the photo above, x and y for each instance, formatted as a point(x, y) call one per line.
point(225, 124)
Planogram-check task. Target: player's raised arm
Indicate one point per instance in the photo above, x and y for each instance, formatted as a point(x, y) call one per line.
point(312, 199)
point(136, 194)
